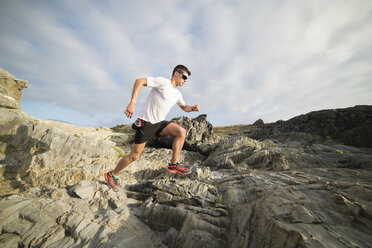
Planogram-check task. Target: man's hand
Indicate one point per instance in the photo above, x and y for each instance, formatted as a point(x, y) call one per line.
point(130, 110)
point(196, 108)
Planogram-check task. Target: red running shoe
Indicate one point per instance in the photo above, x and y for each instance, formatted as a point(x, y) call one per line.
point(112, 183)
point(177, 168)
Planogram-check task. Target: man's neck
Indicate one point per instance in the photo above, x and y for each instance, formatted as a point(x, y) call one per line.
point(173, 82)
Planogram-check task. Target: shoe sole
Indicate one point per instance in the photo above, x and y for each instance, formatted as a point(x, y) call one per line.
point(115, 190)
point(175, 172)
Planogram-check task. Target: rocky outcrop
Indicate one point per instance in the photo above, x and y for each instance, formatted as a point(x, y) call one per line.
point(259, 123)
point(352, 126)
point(199, 135)
point(186, 210)
point(34, 152)
point(125, 129)
point(300, 208)
point(40, 154)
point(54, 217)
point(243, 153)
point(262, 185)
point(10, 90)
point(308, 208)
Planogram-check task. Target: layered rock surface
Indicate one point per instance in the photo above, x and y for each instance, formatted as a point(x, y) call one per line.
point(262, 185)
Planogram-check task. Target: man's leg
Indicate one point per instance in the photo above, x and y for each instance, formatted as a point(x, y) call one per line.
point(135, 153)
point(179, 135)
point(111, 176)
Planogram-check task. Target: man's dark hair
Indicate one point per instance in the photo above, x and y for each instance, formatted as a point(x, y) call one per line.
point(182, 69)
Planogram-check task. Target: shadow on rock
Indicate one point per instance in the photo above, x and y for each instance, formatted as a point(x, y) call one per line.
point(17, 152)
point(149, 174)
point(185, 210)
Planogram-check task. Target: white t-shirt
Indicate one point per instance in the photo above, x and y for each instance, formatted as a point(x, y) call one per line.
point(160, 100)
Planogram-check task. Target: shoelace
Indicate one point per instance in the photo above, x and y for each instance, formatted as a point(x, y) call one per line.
point(114, 179)
point(181, 168)
point(178, 166)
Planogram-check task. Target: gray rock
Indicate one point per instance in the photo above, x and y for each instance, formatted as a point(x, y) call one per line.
point(266, 155)
point(298, 208)
point(352, 126)
point(36, 220)
point(200, 239)
point(9, 240)
point(231, 151)
point(183, 208)
point(170, 238)
point(121, 139)
point(259, 123)
point(84, 189)
point(199, 135)
point(40, 154)
point(127, 130)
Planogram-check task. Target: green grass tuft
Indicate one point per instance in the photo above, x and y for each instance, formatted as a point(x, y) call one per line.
point(217, 200)
point(120, 151)
point(339, 152)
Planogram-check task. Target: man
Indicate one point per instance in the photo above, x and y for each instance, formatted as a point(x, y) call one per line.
point(152, 122)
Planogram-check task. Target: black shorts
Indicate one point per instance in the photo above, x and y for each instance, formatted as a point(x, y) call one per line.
point(148, 130)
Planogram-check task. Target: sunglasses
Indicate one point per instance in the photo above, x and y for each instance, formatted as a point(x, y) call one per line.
point(184, 77)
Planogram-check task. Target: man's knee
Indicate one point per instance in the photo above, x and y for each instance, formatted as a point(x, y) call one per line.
point(181, 132)
point(134, 156)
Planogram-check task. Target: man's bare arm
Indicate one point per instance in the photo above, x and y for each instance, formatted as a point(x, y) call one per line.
point(136, 90)
point(188, 108)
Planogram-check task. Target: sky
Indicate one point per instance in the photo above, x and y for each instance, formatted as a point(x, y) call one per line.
point(270, 60)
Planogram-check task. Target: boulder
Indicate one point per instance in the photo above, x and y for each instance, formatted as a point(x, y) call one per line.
point(199, 135)
point(83, 189)
point(259, 123)
point(127, 130)
point(232, 151)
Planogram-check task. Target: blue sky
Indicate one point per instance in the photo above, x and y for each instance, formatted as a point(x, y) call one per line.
point(272, 59)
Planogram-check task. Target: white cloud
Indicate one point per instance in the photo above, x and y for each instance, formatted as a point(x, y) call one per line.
point(249, 59)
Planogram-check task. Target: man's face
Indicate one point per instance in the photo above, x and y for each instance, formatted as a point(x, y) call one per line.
point(181, 77)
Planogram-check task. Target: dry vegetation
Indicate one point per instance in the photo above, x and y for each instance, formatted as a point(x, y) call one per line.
point(228, 129)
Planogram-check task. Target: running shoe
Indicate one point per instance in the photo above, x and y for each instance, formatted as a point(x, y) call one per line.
point(177, 168)
point(112, 183)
